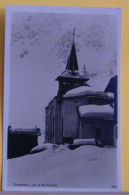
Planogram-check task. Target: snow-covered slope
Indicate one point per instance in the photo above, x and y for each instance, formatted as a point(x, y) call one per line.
point(85, 167)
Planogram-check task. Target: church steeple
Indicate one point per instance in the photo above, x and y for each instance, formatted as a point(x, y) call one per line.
point(72, 63)
point(70, 78)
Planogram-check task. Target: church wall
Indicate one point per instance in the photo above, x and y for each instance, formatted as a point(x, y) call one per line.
point(87, 128)
point(73, 125)
point(63, 119)
point(100, 129)
point(58, 123)
point(70, 119)
point(50, 122)
point(71, 116)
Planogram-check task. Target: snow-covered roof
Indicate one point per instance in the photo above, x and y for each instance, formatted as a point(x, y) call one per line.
point(84, 90)
point(70, 74)
point(67, 73)
point(97, 111)
point(24, 130)
point(23, 126)
point(111, 95)
point(99, 82)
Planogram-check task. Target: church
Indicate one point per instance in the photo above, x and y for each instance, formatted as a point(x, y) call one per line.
point(77, 112)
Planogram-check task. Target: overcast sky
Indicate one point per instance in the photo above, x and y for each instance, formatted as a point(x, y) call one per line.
point(40, 45)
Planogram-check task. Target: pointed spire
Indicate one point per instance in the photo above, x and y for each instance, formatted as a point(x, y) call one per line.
point(74, 33)
point(72, 63)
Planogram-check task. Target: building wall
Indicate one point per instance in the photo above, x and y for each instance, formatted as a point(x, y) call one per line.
point(50, 121)
point(107, 132)
point(58, 123)
point(63, 120)
point(71, 116)
point(53, 124)
point(87, 128)
point(100, 129)
point(70, 119)
point(20, 144)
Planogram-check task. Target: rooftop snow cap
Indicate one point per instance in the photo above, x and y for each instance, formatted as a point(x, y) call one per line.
point(84, 90)
point(96, 111)
point(28, 129)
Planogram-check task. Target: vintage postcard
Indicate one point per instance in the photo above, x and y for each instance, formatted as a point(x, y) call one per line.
point(62, 99)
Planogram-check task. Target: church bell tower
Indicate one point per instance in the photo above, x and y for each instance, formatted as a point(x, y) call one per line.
point(71, 78)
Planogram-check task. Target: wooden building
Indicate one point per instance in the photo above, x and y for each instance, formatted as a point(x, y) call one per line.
point(21, 140)
point(64, 121)
point(97, 122)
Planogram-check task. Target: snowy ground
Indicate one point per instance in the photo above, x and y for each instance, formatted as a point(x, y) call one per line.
point(88, 166)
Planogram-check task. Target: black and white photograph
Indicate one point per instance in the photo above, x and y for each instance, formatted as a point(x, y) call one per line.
point(62, 128)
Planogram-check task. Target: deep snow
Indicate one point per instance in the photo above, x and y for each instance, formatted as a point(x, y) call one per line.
point(87, 167)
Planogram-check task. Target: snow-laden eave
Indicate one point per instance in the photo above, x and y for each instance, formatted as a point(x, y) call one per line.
point(84, 91)
point(20, 130)
point(25, 132)
point(105, 116)
point(71, 75)
point(96, 111)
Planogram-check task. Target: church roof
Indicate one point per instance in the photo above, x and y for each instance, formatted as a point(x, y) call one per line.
point(72, 68)
point(70, 75)
point(72, 63)
point(71, 78)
